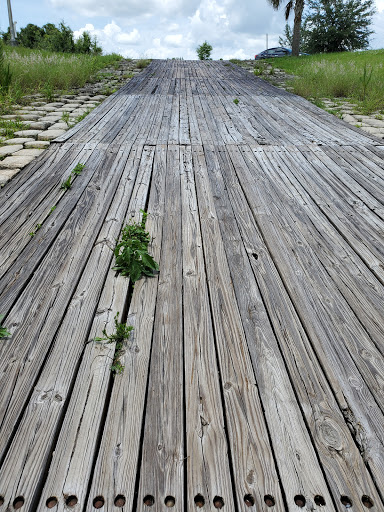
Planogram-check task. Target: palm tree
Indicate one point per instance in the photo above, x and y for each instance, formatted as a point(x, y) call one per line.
point(297, 6)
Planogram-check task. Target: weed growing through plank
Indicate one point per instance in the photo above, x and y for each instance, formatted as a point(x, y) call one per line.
point(67, 184)
point(235, 101)
point(122, 333)
point(77, 170)
point(131, 252)
point(38, 226)
point(33, 233)
point(4, 333)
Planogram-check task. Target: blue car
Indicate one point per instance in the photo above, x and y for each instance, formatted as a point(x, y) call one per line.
point(274, 52)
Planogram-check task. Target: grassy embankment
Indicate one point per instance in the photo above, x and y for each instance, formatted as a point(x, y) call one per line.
point(34, 71)
point(355, 76)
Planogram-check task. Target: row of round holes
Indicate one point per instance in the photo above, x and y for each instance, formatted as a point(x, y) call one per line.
point(199, 500)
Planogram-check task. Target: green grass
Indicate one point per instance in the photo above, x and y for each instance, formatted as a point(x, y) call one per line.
point(48, 72)
point(8, 127)
point(339, 75)
point(143, 63)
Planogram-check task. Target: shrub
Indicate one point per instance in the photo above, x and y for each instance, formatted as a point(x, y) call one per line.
point(204, 51)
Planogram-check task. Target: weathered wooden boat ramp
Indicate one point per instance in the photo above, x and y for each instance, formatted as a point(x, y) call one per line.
point(254, 377)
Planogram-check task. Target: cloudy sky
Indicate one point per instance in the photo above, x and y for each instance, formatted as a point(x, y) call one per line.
point(168, 28)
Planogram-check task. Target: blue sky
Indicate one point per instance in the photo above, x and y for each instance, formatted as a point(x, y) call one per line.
point(168, 28)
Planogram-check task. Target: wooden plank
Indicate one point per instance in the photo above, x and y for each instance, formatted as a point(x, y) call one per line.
point(204, 131)
point(29, 186)
point(184, 136)
point(37, 314)
point(165, 124)
point(173, 135)
point(352, 393)
point(208, 473)
point(364, 168)
point(13, 282)
point(15, 231)
point(115, 473)
point(156, 125)
point(362, 290)
point(162, 465)
point(344, 467)
point(341, 330)
point(299, 475)
point(75, 450)
point(362, 229)
point(194, 132)
point(252, 457)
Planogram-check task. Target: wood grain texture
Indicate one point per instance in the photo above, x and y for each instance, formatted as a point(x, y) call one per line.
point(117, 463)
point(253, 463)
point(208, 473)
point(163, 457)
point(254, 375)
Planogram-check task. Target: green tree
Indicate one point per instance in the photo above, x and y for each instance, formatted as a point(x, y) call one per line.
point(286, 39)
point(297, 6)
point(30, 36)
point(57, 39)
point(6, 36)
point(87, 44)
point(204, 51)
point(338, 25)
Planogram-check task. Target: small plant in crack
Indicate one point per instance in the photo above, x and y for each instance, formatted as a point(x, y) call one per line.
point(235, 101)
point(33, 233)
point(121, 334)
point(65, 118)
point(4, 333)
point(131, 252)
point(67, 184)
point(77, 170)
point(38, 226)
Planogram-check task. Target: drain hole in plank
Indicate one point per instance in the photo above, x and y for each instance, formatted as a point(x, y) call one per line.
point(367, 501)
point(269, 500)
point(170, 501)
point(346, 501)
point(51, 502)
point(71, 501)
point(300, 500)
point(119, 500)
point(98, 502)
point(218, 502)
point(18, 502)
point(249, 500)
point(149, 500)
point(319, 500)
point(199, 501)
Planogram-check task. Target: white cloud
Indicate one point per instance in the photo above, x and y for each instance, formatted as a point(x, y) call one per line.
point(131, 38)
point(173, 28)
point(173, 40)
